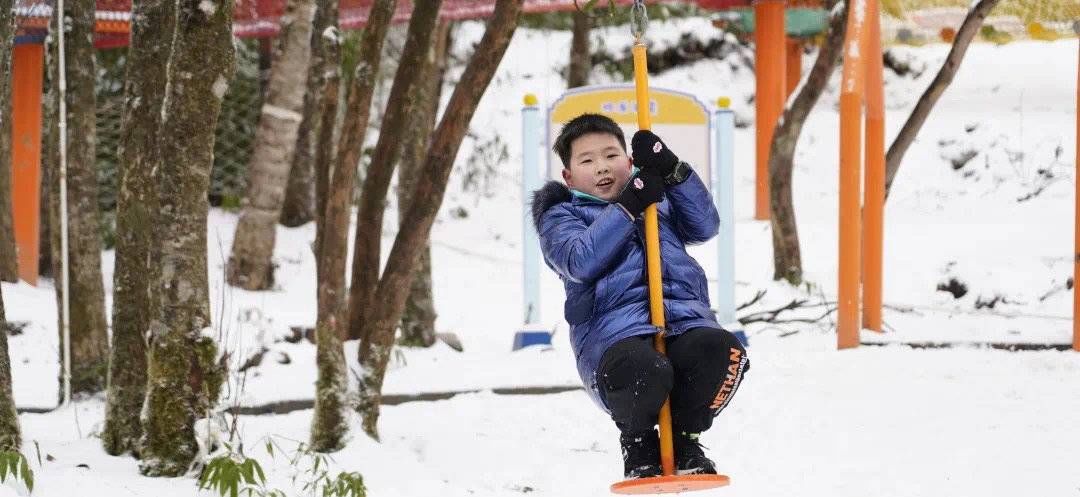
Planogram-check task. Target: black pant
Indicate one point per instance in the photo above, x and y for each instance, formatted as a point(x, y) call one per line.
point(701, 372)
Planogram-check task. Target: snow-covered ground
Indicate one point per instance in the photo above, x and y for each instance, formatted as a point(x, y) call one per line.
point(809, 420)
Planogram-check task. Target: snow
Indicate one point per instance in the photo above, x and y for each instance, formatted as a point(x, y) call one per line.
point(282, 113)
point(221, 85)
point(809, 420)
point(207, 7)
point(331, 34)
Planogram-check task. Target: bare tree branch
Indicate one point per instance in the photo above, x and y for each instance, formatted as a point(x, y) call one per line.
point(968, 29)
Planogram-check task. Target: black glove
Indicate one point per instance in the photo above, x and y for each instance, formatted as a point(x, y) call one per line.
point(652, 154)
point(640, 192)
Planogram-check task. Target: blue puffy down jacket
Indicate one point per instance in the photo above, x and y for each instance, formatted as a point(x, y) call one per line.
point(599, 254)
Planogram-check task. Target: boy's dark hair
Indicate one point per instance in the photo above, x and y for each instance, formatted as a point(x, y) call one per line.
point(583, 125)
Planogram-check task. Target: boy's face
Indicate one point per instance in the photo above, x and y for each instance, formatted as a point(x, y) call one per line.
point(598, 166)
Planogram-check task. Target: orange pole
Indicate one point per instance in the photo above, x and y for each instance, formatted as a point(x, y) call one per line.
point(793, 64)
point(769, 61)
point(26, 82)
point(874, 191)
point(652, 258)
point(1076, 234)
point(851, 97)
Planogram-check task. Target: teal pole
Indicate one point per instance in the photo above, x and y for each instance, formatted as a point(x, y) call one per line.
point(723, 189)
point(530, 181)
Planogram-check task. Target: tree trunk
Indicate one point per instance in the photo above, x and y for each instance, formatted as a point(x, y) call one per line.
point(369, 219)
point(300, 196)
point(9, 262)
point(418, 320)
point(299, 206)
point(358, 102)
point(137, 205)
point(968, 29)
point(10, 440)
point(89, 337)
point(358, 110)
point(184, 380)
point(326, 141)
point(580, 61)
point(50, 168)
point(431, 186)
point(250, 265)
point(787, 257)
point(330, 423)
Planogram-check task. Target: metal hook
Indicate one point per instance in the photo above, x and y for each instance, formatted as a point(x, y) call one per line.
point(639, 19)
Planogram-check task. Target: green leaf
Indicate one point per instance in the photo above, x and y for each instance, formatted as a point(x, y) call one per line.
point(27, 475)
point(5, 461)
point(247, 473)
point(259, 470)
point(270, 448)
point(207, 471)
point(234, 480)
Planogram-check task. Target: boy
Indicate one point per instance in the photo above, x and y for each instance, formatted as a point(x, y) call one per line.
point(592, 234)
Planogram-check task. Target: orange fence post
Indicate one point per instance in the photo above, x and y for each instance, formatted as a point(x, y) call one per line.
point(769, 62)
point(793, 64)
point(1076, 234)
point(874, 191)
point(27, 64)
point(851, 97)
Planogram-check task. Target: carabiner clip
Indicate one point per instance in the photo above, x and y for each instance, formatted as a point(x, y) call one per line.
point(639, 19)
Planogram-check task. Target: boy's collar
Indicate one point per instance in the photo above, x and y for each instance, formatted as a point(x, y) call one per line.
point(580, 195)
point(585, 196)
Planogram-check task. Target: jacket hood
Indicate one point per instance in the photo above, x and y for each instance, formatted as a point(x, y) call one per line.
point(546, 197)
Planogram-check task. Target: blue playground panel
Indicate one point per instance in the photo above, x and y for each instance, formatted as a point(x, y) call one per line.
point(524, 339)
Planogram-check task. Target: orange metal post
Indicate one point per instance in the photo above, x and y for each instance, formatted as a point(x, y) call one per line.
point(770, 91)
point(851, 97)
point(874, 190)
point(1076, 234)
point(26, 79)
point(652, 261)
point(794, 64)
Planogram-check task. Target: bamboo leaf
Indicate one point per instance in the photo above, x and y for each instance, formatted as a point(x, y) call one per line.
point(3, 467)
point(27, 475)
point(207, 471)
point(259, 470)
point(247, 474)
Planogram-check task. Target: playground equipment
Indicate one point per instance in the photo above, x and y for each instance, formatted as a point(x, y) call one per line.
point(777, 68)
point(861, 224)
point(704, 139)
point(861, 233)
point(669, 482)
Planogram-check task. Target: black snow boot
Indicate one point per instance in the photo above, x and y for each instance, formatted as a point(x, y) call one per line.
point(689, 457)
point(641, 454)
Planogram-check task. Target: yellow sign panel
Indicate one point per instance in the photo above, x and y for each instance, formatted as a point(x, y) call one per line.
point(679, 118)
point(619, 103)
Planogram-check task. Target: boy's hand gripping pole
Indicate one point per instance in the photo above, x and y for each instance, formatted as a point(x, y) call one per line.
point(639, 21)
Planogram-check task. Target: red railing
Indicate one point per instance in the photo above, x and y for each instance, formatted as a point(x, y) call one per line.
point(260, 18)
